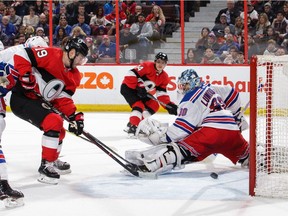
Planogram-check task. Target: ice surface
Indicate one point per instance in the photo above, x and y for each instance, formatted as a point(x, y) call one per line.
point(96, 186)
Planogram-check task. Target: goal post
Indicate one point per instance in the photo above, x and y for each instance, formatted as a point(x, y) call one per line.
point(269, 126)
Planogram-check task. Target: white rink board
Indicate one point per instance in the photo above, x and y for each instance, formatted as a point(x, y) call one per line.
point(101, 84)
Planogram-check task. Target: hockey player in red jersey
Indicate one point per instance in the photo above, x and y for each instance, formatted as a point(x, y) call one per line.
point(203, 127)
point(138, 83)
point(52, 73)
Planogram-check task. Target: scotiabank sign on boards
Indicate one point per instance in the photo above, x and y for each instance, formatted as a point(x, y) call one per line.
point(101, 84)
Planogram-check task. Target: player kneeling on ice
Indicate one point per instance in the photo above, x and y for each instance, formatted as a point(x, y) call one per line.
point(137, 84)
point(49, 73)
point(203, 127)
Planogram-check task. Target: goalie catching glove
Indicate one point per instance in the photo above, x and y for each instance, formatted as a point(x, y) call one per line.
point(151, 132)
point(76, 124)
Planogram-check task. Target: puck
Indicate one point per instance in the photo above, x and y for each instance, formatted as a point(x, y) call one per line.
point(214, 175)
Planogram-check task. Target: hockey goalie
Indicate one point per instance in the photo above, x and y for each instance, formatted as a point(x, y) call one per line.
point(207, 123)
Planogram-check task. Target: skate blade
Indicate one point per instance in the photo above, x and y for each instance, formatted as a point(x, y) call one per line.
point(47, 180)
point(13, 202)
point(62, 172)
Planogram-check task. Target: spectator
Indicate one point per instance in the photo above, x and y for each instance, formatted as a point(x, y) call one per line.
point(97, 20)
point(40, 32)
point(39, 7)
point(285, 11)
point(32, 19)
point(43, 23)
point(223, 51)
point(62, 13)
point(261, 27)
point(29, 32)
point(190, 57)
point(91, 6)
point(240, 58)
point(210, 57)
point(21, 39)
point(111, 17)
point(14, 19)
point(218, 28)
point(230, 11)
point(269, 11)
point(72, 11)
point(8, 28)
point(92, 50)
point(81, 23)
point(4, 38)
point(202, 42)
point(111, 29)
point(128, 43)
point(58, 37)
point(64, 24)
point(81, 11)
point(253, 48)
point(232, 56)
point(107, 49)
point(129, 7)
point(252, 13)
point(134, 17)
point(143, 30)
point(21, 30)
point(271, 48)
point(158, 20)
point(21, 8)
point(78, 32)
point(109, 7)
point(100, 31)
point(279, 23)
point(212, 42)
point(239, 26)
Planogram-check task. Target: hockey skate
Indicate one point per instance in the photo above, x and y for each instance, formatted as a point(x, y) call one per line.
point(61, 167)
point(11, 198)
point(48, 174)
point(131, 130)
point(244, 162)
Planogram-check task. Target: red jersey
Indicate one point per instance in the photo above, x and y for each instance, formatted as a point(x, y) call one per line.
point(147, 72)
point(47, 66)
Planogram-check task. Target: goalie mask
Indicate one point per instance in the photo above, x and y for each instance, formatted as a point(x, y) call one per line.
point(187, 81)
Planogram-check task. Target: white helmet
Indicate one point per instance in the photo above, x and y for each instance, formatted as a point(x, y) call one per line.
point(35, 41)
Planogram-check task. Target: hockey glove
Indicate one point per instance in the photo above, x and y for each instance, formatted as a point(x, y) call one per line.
point(77, 123)
point(28, 81)
point(141, 92)
point(172, 109)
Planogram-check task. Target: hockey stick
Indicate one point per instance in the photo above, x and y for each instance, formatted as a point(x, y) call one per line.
point(130, 167)
point(162, 103)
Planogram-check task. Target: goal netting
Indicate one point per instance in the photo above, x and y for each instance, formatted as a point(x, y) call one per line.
point(269, 126)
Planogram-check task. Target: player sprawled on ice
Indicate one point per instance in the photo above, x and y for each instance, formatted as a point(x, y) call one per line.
point(49, 73)
point(203, 127)
point(8, 76)
point(137, 84)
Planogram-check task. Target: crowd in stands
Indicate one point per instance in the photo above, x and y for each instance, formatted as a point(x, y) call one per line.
point(224, 43)
point(94, 21)
point(144, 25)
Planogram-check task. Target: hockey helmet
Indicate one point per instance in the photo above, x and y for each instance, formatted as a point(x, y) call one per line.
point(162, 56)
point(188, 80)
point(78, 44)
point(35, 41)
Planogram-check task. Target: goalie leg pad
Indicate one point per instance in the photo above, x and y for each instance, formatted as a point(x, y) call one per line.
point(159, 159)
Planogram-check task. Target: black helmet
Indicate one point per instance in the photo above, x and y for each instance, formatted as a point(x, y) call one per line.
point(78, 44)
point(162, 56)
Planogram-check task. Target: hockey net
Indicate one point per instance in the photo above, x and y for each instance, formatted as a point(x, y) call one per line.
point(269, 126)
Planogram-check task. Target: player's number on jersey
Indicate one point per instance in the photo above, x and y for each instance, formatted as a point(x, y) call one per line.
point(41, 53)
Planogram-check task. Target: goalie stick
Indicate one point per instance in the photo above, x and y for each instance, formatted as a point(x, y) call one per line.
point(130, 167)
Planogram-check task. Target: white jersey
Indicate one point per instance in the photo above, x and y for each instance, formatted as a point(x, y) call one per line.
point(7, 54)
point(201, 107)
point(230, 97)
